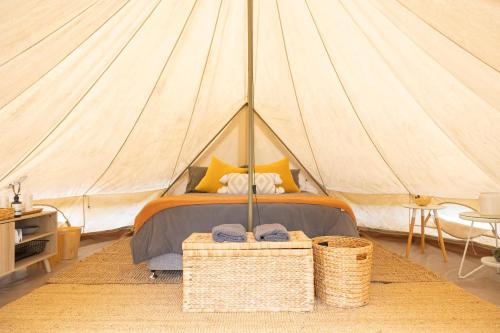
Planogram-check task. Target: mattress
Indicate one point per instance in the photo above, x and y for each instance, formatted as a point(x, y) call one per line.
point(164, 230)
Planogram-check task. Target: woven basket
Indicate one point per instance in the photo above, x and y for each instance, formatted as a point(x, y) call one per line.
point(342, 270)
point(6, 213)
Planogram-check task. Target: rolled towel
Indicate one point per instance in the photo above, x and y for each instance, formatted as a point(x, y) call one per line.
point(229, 233)
point(273, 232)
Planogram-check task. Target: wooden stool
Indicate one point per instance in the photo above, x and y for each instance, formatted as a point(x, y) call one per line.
point(423, 221)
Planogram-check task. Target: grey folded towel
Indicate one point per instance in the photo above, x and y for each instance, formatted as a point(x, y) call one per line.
point(229, 233)
point(273, 232)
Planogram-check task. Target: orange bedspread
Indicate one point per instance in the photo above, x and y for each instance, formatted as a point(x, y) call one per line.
point(157, 205)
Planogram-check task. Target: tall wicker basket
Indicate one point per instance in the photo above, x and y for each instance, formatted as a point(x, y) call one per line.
point(342, 270)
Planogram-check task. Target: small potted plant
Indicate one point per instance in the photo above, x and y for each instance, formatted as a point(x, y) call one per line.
point(496, 254)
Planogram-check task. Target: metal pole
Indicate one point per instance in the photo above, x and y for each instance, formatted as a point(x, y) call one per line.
point(251, 155)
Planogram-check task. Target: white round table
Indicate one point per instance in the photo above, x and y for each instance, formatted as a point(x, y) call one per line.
point(423, 221)
point(489, 261)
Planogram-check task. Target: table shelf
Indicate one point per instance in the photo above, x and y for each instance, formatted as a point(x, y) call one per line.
point(490, 262)
point(35, 237)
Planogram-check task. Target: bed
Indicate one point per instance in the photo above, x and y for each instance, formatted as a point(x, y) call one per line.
point(163, 224)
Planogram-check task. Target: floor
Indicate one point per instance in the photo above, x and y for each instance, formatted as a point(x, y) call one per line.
point(484, 284)
point(21, 283)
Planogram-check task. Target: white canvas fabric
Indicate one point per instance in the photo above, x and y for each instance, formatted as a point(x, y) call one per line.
point(107, 102)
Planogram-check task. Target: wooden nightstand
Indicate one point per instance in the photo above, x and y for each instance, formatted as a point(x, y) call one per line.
point(47, 223)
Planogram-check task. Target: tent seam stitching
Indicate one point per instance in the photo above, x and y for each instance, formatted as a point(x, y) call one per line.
point(460, 147)
point(66, 56)
point(147, 100)
point(19, 163)
point(49, 34)
point(446, 69)
point(296, 97)
point(445, 36)
point(199, 89)
point(352, 104)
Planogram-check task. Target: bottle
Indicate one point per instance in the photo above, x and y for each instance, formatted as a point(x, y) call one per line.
point(18, 206)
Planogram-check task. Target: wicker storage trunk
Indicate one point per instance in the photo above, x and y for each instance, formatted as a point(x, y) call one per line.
point(250, 276)
point(342, 268)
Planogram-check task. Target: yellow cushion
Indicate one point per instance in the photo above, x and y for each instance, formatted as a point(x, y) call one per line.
point(217, 168)
point(282, 167)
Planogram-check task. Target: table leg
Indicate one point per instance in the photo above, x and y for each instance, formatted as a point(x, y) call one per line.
point(495, 231)
point(440, 235)
point(422, 230)
point(460, 275)
point(410, 234)
point(46, 265)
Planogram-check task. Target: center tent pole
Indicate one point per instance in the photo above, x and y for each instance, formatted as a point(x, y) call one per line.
point(251, 155)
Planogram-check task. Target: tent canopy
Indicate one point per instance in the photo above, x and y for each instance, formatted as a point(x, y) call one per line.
point(108, 101)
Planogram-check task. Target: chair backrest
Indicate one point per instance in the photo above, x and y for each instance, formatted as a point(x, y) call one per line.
point(453, 225)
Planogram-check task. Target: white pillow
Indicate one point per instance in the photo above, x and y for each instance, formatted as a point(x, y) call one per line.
point(237, 183)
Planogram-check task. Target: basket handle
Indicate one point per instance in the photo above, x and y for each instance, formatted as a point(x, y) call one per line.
point(362, 256)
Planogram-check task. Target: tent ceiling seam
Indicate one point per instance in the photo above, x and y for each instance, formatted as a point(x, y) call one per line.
point(296, 97)
point(66, 56)
point(198, 91)
point(48, 35)
point(28, 154)
point(330, 58)
point(444, 35)
point(412, 40)
point(147, 100)
point(459, 146)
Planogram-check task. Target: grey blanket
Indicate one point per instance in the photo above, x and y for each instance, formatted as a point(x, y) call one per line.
point(273, 232)
point(165, 231)
point(229, 233)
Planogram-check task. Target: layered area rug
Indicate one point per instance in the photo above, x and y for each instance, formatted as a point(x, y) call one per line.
point(395, 307)
point(113, 265)
point(106, 293)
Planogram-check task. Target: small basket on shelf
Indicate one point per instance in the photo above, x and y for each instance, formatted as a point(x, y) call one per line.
point(6, 213)
point(30, 248)
point(342, 270)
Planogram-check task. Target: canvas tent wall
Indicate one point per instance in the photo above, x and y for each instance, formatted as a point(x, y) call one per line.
point(107, 101)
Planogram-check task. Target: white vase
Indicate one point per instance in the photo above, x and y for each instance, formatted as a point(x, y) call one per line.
point(27, 199)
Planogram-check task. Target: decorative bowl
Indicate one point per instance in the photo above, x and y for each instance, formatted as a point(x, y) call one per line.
point(422, 200)
point(30, 230)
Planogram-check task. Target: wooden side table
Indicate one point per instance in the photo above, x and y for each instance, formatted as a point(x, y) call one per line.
point(423, 221)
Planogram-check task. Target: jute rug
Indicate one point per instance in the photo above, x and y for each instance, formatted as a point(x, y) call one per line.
point(395, 307)
point(113, 265)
